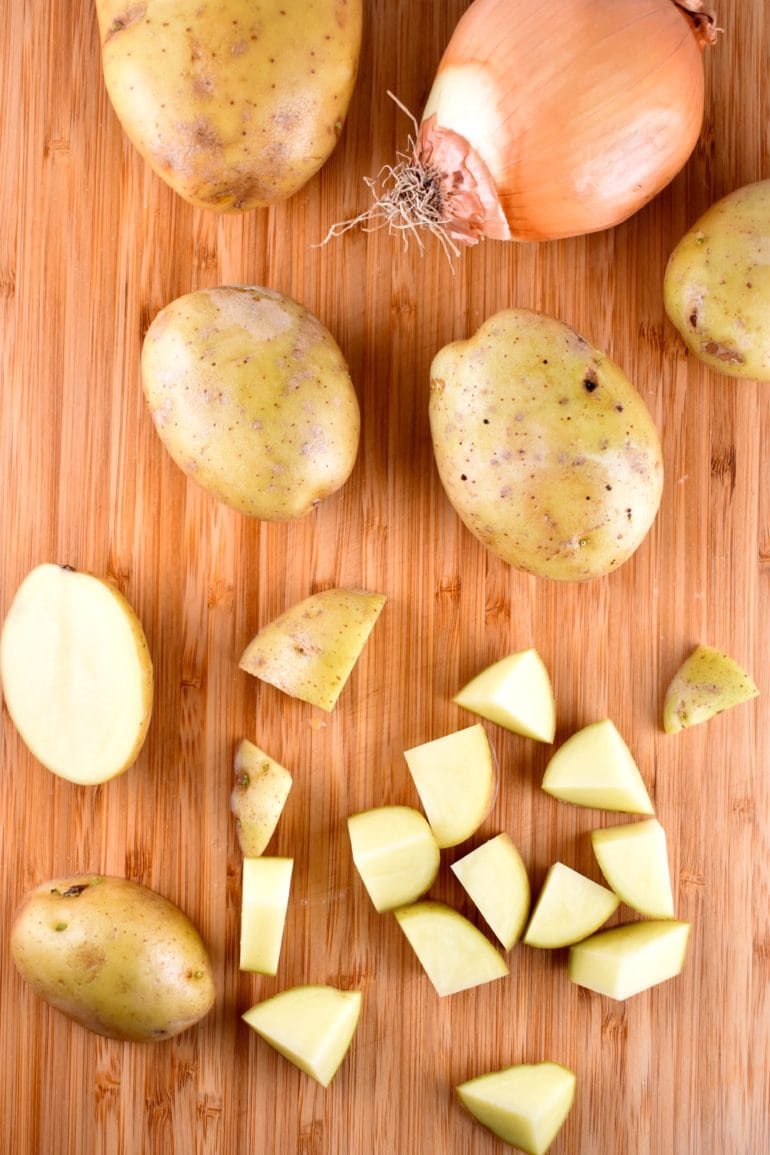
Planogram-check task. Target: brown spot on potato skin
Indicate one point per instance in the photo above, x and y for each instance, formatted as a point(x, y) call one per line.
point(722, 352)
point(121, 23)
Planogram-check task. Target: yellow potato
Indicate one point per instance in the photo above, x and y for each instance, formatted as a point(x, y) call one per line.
point(235, 104)
point(544, 447)
point(717, 284)
point(252, 398)
point(114, 956)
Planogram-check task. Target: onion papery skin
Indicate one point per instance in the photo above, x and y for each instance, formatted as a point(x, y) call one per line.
point(578, 112)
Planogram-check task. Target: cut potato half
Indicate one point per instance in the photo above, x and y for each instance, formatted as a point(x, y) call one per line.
point(77, 674)
point(628, 959)
point(595, 768)
point(395, 853)
point(706, 683)
point(310, 650)
point(570, 907)
point(496, 879)
point(516, 693)
point(311, 1026)
point(456, 778)
point(453, 952)
point(525, 1105)
point(264, 901)
point(634, 860)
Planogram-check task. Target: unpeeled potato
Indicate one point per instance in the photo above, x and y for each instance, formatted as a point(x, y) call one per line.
point(544, 447)
point(252, 397)
point(235, 104)
point(717, 284)
point(114, 956)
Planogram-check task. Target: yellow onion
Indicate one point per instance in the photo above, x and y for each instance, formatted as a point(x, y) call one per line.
point(552, 119)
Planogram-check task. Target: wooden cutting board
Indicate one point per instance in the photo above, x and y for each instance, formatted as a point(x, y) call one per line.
point(92, 245)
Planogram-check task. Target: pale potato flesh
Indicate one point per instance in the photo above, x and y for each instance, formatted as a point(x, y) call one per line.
point(264, 900)
point(77, 674)
point(114, 956)
point(633, 858)
point(395, 853)
point(251, 396)
point(311, 1026)
point(495, 878)
point(595, 768)
point(570, 907)
point(707, 682)
point(456, 779)
point(525, 1105)
point(310, 650)
point(261, 788)
point(454, 954)
point(235, 105)
point(545, 449)
point(628, 959)
point(515, 693)
point(717, 284)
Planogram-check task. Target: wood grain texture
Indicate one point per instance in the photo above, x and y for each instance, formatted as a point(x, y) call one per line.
point(92, 245)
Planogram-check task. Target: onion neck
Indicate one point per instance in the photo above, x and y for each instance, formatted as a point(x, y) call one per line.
point(471, 206)
point(703, 19)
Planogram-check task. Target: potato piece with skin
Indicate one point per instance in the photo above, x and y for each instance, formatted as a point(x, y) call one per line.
point(707, 682)
point(237, 104)
point(114, 956)
point(251, 396)
point(545, 449)
point(261, 788)
point(309, 651)
point(717, 284)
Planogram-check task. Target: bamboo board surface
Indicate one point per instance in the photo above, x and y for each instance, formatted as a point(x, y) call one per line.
point(92, 245)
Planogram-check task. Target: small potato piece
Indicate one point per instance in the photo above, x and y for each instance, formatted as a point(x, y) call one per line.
point(544, 447)
point(114, 956)
point(309, 651)
point(235, 104)
point(717, 284)
point(261, 788)
point(252, 398)
point(706, 683)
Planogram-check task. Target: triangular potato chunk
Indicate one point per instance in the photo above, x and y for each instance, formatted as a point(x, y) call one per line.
point(310, 650)
point(706, 683)
point(525, 1105)
point(456, 778)
point(311, 1026)
point(595, 768)
point(634, 860)
point(261, 788)
point(570, 907)
point(516, 693)
point(454, 953)
point(496, 879)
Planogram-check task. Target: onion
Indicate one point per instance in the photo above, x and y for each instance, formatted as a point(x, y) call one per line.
point(550, 120)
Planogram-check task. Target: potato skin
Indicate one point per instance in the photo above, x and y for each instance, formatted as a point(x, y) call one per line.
point(114, 956)
point(545, 449)
point(235, 104)
point(717, 284)
point(252, 398)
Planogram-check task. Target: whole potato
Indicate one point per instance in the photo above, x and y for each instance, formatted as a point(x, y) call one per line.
point(717, 284)
point(544, 447)
point(252, 398)
point(235, 104)
point(113, 955)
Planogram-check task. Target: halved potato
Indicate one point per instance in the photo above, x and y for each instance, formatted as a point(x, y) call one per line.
point(77, 674)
